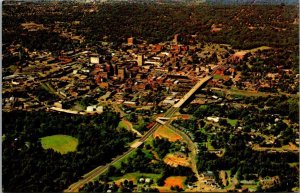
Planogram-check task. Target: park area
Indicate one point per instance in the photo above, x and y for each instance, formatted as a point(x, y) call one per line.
point(60, 143)
point(232, 122)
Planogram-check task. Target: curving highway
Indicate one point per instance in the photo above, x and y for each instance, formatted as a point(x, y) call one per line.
point(192, 91)
point(89, 177)
point(169, 113)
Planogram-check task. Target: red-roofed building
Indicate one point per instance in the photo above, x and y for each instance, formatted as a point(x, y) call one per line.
point(175, 48)
point(157, 48)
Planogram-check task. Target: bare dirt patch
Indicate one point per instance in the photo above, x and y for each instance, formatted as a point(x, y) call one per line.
point(240, 54)
point(118, 182)
point(216, 28)
point(223, 177)
point(185, 117)
point(175, 181)
point(292, 147)
point(163, 189)
point(177, 159)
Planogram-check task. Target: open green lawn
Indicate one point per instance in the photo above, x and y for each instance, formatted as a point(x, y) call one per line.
point(60, 143)
point(122, 124)
point(149, 141)
point(218, 77)
point(230, 184)
point(50, 89)
point(148, 154)
point(41, 74)
point(240, 93)
point(252, 188)
point(124, 159)
point(203, 130)
point(294, 164)
point(209, 146)
point(13, 68)
point(232, 122)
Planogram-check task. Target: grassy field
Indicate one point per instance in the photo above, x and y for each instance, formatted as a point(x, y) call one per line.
point(118, 163)
point(237, 93)
point(218, 77)
point(232, 122)
point(50, 89)
point(209, 146)
point(149, 141)
point(295, 189)
point(148, 154)
point(60, 143)
point(122, 124)
point(294, 164)
point(252, 188)
point(166, 133)
point(230, 184)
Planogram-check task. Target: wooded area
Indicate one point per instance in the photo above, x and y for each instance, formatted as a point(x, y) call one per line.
point(28, 167)
point(244, 27)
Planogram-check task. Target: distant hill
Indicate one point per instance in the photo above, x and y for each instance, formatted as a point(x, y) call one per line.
point(237, 2)
point(214, 2)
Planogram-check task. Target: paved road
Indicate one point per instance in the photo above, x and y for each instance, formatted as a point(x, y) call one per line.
point(192, 91)
point(95, 173)
point(117, 109)
point(101, 169)
point(192, 148)
point(201, 186)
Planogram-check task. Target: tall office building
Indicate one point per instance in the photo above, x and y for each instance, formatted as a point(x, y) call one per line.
point(94, 59)
point(121, 73)
point(115, 69)
point(140, 60)
point(130, 41)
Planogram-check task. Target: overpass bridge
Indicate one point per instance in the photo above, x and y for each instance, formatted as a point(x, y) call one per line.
point(192, 91)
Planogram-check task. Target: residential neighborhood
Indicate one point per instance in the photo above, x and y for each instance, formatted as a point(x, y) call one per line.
point(162, 96)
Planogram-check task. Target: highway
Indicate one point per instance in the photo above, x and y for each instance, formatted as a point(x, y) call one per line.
point(169, 113)
point(192, 91)
point(89, 177)
point(192, 147)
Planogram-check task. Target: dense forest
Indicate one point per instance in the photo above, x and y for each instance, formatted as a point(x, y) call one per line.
point(28, 167)
point(243, 26)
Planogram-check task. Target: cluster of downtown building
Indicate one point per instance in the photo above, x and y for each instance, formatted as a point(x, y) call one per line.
point(129, 75)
